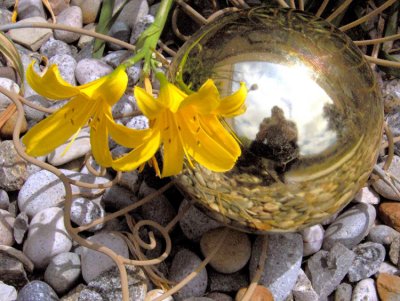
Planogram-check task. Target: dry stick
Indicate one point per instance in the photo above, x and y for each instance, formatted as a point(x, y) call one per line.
point(192, 13)
point(221, 12)
point(301, 4)
point(193, 274)
point(282, 3)
point(376, 47)
point(386, 144)
point(390, 155)
point(378, 41)
point(165, 48)
point(292, 4)
point(7, 113)
point(175, 28)
point(339, 10)
point(382, 62)
point(368, 16)
point(68, 28)
point(322, 8)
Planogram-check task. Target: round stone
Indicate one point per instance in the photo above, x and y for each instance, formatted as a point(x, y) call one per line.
point(307, 145)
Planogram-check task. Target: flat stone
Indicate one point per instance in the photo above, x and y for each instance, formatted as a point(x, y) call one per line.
point(95, 263)
point(384, 189)
point(31, 38)
point(63, 272)
point(183, 264)
point(350, 227)
point(382, 234)
point(4, 200)
point(227, 283)
point(261, 293)
point(7, 292)
point(70, 151)
point(327, 269)
point(312, 239)
point(14, 170)
point(44, 190)
point(21, 226)
point(108, 284)
point(303, 290)
point(72, 16)
point(365, 290)
point(390, 214)
point(47, 237)
point(6, 228)
point(9, 85)
point(282, 263)
point(37, 291)
point(30, 8)
point(388, 287)
point(66, 66)
point(12, 271)
point(90, 9)
point(233, 254)
point(369, 257)
point(368, 196)
point(343, 292)
point(194, 223)
point(89, 70)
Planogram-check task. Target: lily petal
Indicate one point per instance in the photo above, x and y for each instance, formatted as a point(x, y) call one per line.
point(50, 84)
point(173, 148)
point(147, 104)
point(53, 131)
point(99, 137)
point(205, 100)
point(127, 137)
point(171, 96)
point(139, 155)
point(233, 104)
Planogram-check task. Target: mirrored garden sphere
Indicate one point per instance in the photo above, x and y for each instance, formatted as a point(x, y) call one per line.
point(311, 131)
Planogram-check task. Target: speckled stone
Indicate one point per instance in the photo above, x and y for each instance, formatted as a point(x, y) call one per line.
point(365, 290)
point(55, 47)
point(88, 70)
point(217, 296)
point(84, 211)
point(6, 228)
point(303, 290)
point(7, 292)
point(227, 283)
point(312, 239)
point(343, 292)
point(121, 31)
point(138, 123)
point(232, 255)
point(382, 234)
point(72, 16)
point(66, 65)
point(118, 197)
point(350, 227)
point(132, 12)
point(282, 263)
point(32, 115)
point(369, 257)
point(182, 265)
point(47, 237)
point(4, 200)
point(394, 251)
point(140, 26)
point(37, 291)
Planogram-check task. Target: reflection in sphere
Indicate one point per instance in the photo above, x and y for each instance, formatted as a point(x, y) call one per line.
point(313, 123)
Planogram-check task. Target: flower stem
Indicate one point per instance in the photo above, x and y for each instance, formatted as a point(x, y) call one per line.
point(148, 40)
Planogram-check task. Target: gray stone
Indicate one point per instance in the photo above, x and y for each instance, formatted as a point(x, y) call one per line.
point(6, 228)
point(89, 70)
point(5, 16)
point(394, 252)
point(367, 195)
point(125, 106)
point(303, 290)
point(350, 227)
point(115, 58)
point(63, 272)
point(14, 170)
point(327, 269)
point(183, 264)
point(90, 9)
point(13, 264)
point(4, 200)
point(87, 41)
point(384, 189)
point(138, 123)
point(140, 26)
point(108, 284)
point(21, 226)
point(59, 5)
point(388, 268)
point(134, 73)
point(47, 237)
point(130, 181)
point(84, 211)
point(72, 16)
point(31, 38)
point(132, 12)
point(312, 239)
point(30, 8)
point(32, 114)
point(66, 65)
point(232, 255)
point(95, 263)
point(369, 257)
point(227, 283)
point(68, 151)
point(195, 223)
point(365, 290)
point(282, 263)
point(117, 197)
point(343, 292)
point(120, 31)
point(382, 234)
point(7, 292)
point(89, 295)
point(37, 291)
point(9, 85)
point(198, 299)
point(217, 296)
point(43, 190)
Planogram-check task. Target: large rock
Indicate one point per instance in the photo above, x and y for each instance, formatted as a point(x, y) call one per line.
point(30, 8)
point(72, 16)
point(37, 291)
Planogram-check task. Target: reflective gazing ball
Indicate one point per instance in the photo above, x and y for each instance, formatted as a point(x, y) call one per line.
point(313, 124)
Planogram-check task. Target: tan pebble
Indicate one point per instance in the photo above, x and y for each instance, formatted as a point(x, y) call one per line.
point(261, 293)
point(388, 287)
point(8, 128)
point(390, 214)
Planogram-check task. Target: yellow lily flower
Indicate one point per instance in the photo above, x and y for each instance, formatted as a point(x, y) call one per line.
point(91, 103)
point(188, 125)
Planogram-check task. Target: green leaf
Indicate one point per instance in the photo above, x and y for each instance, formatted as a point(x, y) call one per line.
point(10, 52)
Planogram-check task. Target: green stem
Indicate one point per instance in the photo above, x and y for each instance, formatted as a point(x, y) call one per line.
point(148, 40)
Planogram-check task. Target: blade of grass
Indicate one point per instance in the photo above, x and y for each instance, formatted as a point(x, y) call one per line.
point(10, 52)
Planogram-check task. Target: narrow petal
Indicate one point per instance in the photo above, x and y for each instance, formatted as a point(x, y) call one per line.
point(58, 127)
point(139, 155)
point(205, 100)
point(173, 149)
point(50, 84)
point(147, 104)
point(99, 137)
point(171, 96)
point(233, 104)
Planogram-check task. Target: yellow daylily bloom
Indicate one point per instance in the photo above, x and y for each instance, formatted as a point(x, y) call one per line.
point(90, 103)
point(188, 125)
